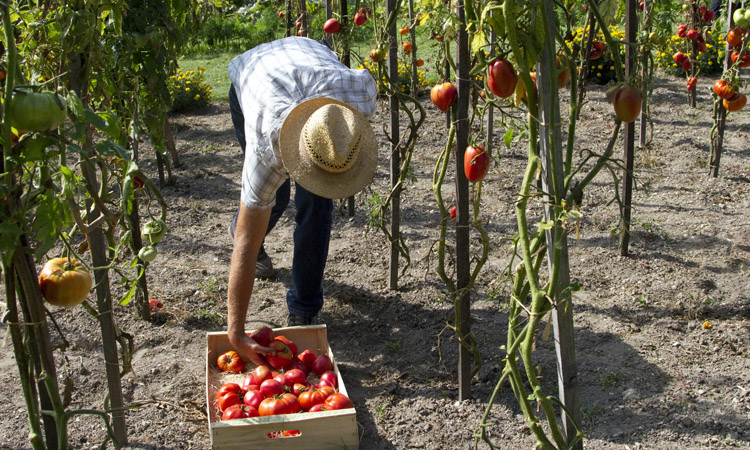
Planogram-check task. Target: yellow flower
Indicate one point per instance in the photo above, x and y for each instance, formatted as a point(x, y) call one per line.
point(600, 67)
point(177, 86)
point(218, 81)
point(197, 97)
point(611, 67)
point(706, 325)
point(187, 89)
point(598, 74)
point(663, 54)
point(710, 63)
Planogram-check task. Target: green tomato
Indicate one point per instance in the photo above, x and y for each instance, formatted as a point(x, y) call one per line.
point(37, 111)
point(148, 253)
point(741, 17)
point(154, 230)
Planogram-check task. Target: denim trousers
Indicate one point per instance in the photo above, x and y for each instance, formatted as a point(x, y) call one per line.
point(312, 233)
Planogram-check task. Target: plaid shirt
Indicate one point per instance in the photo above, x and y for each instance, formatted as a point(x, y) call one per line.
point(270, 80)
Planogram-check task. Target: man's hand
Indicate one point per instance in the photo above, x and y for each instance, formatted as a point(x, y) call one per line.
point(250, 350)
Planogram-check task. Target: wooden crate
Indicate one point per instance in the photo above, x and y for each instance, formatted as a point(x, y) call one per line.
point(321, 430)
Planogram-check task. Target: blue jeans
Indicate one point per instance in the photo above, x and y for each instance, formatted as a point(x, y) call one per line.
point(311, 233)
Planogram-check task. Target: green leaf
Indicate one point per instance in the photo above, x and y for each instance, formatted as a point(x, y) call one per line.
point(543, 226)
point(33, 149)
point(608, 10)
point(508, 138)
point(95, 120)
point(493, 15)
point(9, 234)
point(478, 42)
point(574, 214)
point(126, 299)
point(109, 148)
point(50, 218)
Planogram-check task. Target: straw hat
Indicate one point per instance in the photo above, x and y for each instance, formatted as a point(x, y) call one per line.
point(329, 148)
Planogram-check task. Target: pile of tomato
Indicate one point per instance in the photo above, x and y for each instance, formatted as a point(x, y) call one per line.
point(291, 383)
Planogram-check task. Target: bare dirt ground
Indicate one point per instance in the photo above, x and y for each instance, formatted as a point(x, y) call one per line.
point(651, 376)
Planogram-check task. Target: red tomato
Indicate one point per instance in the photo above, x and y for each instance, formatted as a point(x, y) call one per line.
point(419, 62)
point(239, 412)
point(595, 54)
point(407, 47)
point(338, 401)
point(154, 305)
point(299, 365)
point(377, 54)
point(281, 14)
point(745, 62)
point(640, 6)
point(228, 399)
point(271, 387)
point(443, 95)
point(330, 376)
point(627, 103)
point(321, 364)
point(691, 82)
point(308, 399)
point(64, 282)
point(453, 212)
point(332, 26)
point(693, 34)
point(295, 376)
point(679, 57)
point(476, 163)
point(252, 398)
point(308, 358)
point(298, 388)
point(263, 336)
point(292, 346)
point(327, 390)
point(262, 373)
point(502, 78)
point(360, 19)
point(319, 407)
point(709, 16)
point(279, 404)
point(599, 45)
point(724, 89)
point(403, 30)
point(230, 361)
point(283, 380)
point(229, 388)
point(282, 358)
point(250, 382)
point(735, 103)
point(686, 65)
point(734, 37)
point(682, 31)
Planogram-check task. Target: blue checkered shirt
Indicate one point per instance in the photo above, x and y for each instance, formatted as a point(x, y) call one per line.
point(270, 80)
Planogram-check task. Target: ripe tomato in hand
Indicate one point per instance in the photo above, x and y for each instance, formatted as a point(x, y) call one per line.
point(502, 78)
point(289, 343)
point(321, 364)
point(283, 356)
point(64, 282)
point(338, 401)
point(230, 361)
point(476, 163)
point(627, 103)
point(443, 95)
point(263, 336)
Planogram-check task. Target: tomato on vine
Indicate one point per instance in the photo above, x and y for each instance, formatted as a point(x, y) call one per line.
point(735, 102)
point(502, 78)
point(443, 95)
point(627, 103)
point(724, 89)
point(64, 282)
point(476, 163)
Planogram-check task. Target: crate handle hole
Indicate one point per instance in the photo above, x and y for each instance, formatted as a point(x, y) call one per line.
point(284, 434)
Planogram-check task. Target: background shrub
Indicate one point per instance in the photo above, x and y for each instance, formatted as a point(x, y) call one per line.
point(189, 90)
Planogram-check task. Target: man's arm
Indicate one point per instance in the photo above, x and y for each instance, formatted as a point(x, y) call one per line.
point(248, 237)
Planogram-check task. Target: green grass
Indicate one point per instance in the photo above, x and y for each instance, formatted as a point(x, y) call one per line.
point(216, 71)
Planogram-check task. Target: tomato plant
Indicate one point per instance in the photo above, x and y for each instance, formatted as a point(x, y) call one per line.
point(501, 78)
point(64, 282)
point(476, 163)
point(443, 95)
point(627, 103)
point(230, 361)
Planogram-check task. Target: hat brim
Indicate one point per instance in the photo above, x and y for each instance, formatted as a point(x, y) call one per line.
point(305, 172)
